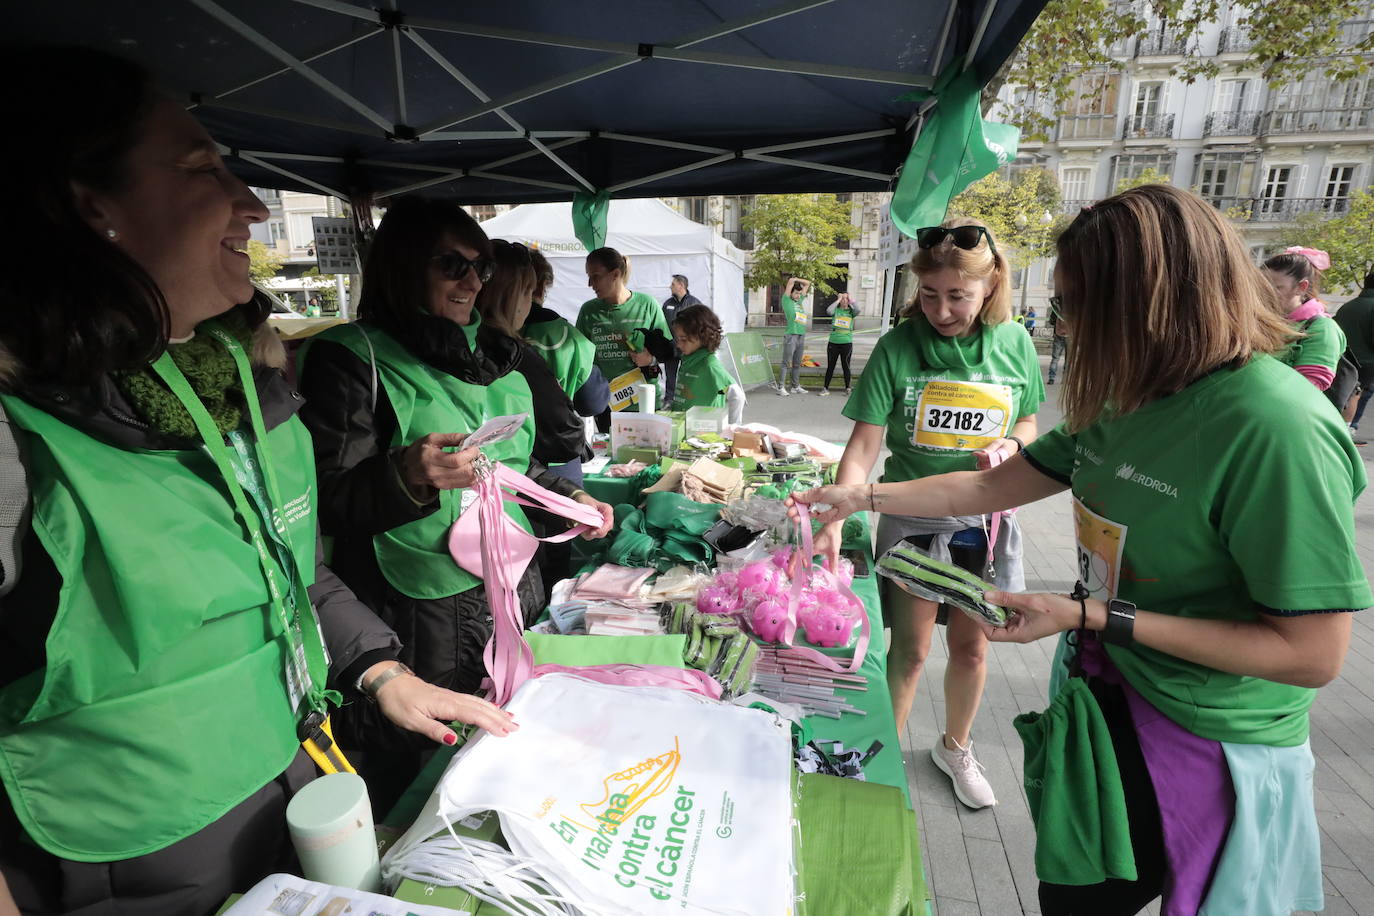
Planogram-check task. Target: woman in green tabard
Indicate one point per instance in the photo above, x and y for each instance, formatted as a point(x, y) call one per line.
point(840, 346)
point(954, 386)
point(616, 322)
point(389, 401)
point(160, 643)
point(702, 380)
point(1213, 493)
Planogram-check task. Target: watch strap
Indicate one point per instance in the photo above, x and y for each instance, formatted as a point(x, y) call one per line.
point(371, 688)
point(1120, 626)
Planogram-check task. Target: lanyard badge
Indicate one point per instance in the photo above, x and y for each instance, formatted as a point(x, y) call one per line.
point(245, 467)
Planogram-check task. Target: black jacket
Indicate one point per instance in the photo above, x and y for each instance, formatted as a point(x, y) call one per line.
point(361, 494)
point(355, 637)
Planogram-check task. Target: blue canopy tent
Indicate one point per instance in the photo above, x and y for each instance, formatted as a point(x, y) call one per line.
point(517, 102)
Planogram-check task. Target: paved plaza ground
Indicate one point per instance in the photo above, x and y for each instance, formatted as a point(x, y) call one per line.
point(981, 862)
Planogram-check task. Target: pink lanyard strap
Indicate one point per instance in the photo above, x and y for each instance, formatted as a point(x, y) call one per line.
point(800, 581)
point(508, 658)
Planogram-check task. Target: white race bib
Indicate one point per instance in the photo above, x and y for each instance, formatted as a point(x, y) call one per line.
point(623, 393)
point(843, 322)
point(962, 415)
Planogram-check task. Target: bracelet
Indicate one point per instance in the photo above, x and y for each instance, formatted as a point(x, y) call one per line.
point(1080, 594)
point(871, 506)
point(1020, 446)
point(381, 680)
point(577, 493)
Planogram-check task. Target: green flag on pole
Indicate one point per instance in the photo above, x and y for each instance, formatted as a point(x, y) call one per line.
point(589, 218)
point(955, 148)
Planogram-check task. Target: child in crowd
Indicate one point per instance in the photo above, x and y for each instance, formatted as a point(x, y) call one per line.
point(702, 380)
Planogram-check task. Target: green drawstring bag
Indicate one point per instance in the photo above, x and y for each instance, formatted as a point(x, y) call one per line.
point(1073, 784)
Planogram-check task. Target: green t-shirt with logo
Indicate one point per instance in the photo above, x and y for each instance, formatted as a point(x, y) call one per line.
point(941, 397)
point(1323, 345)
point(701, 381)
point(611, 328)
point(1236, 492)
point(842, 325)
point(794, 310)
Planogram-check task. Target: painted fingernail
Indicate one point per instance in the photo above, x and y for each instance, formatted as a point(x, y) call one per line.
point(450, 739)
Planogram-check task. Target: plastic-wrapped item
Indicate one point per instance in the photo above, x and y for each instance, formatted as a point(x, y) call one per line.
point(754, 512)
point(920, 575)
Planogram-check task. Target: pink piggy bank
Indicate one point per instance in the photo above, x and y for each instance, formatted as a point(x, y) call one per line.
point(761, 576)
point(828, 627)
point(717, 600)
point(769, 619)
point(727, 580)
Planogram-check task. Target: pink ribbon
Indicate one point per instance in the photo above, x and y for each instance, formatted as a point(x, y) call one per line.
point(1318, 258)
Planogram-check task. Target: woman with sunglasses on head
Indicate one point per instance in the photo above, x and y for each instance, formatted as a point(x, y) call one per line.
point(620, 323)
point(954, 387)
point(1202, 472)
point(171, 634)
point(389, 401)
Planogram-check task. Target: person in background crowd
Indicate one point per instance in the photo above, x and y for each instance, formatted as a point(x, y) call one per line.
point(163, 642)
point(312, 308)
point(794, 335)
point(1296, 276)
point(1356, 319)
point(953, 388)
point(1059, 337)
point(568, 352)
point(615, 321)
point(1204, 626)
point(680, 299)
point(840, 346)
point(389, 400)
point(705, 382)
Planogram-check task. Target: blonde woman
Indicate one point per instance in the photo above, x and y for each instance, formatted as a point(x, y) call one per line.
point(1202, 471)
point(953, 387)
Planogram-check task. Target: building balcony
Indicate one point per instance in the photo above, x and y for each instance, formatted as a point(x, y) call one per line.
point(1328, 120)
point(1148, 126)
point(1231, 124)
point(1234, 41)
point(1160, 43)
point(1087, 127)
point(1288, 209)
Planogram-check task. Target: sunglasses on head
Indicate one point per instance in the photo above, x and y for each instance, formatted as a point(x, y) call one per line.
point(455, 267)
point(965, 237)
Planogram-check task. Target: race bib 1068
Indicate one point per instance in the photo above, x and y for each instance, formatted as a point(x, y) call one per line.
point(962, 415)
point(623, 393)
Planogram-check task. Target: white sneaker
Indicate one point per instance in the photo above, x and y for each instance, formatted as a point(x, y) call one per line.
point(970, 785)
point(800, 390)
point(782, 391)
point(824, 392)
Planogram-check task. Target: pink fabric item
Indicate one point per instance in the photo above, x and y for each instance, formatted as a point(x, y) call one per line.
point(1320, 376)
point(688, 679)
point(1312, 308)
point(611, 581)
point(1318, 258)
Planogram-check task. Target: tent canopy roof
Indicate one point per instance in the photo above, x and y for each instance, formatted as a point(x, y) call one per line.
point(532, 101)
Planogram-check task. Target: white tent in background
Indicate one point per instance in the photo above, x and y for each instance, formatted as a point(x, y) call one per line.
point(658, 240)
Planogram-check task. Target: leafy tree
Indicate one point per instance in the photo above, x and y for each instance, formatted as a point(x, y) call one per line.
point(795, 236)
point(263, 263)
point(1067, 54)
point(1149, 175)
point(328, 294)
point(1023, 213)
point(1348, 238)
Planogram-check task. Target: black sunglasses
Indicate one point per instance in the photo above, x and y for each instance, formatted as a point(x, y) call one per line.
point(454, 266)
point(965, 237)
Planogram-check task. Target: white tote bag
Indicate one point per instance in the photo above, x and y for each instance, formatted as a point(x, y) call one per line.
point(617, 800)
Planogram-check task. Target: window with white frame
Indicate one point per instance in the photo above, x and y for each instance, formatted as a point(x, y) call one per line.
point(1075, 184)
point(1130, 166)
point(1277, 188)
point(1232, 95)
point(301, 230)
point(1339, 181)
point(276, 230)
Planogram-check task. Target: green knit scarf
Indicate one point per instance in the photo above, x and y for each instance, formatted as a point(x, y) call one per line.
point(209, 369)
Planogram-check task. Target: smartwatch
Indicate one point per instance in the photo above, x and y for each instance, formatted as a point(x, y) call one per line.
point(1020, 446)
point(1120, 628)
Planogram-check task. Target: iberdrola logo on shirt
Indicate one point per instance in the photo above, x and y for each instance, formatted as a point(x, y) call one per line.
point(1127, 472)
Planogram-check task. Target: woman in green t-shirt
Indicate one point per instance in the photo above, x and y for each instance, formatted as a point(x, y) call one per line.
point(840, 346)
point(1295, 275)
point(618, 322)
point(952, 388)
point(1212, 491)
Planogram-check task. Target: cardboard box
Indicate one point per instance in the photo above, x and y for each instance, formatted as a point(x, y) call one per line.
point(642, 430)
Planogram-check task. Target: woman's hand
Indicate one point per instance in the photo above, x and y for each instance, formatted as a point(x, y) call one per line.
point(995, 453)
point(842, 502)
point(426, 465)
point(421, 707)
point(607, 516)
point(826, 544)
point(1039, 614)
point(642, 358)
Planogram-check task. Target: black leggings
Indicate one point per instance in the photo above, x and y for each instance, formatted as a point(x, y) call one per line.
point(1115, 897)
point(842, 352)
